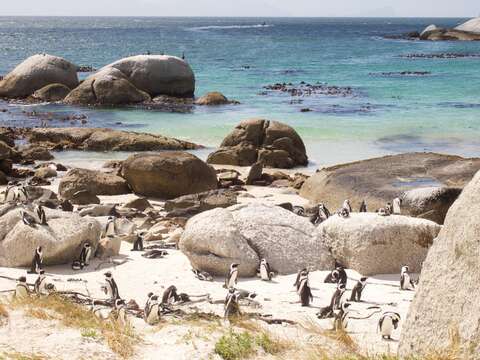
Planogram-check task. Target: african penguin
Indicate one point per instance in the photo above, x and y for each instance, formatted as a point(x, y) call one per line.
point(110, 228)
point(363, 207)
point(10, 192)
point(170, 295)
point(37, 261)
point(202, 275)
point(358, 288)
point(111, 288)
point(299, 274)
point(42, 219)
point(40, 286)
point(299, 210)
point(406, 283)
point(346, 205)
point(336, 301)
point(343, 213)
point(231, 306)
point(21, 290)
point(232, 276)
point(152, 310)
point(28, 219)
point(397, 203)
point(340, 321)
point(265, 272)
point(304, 291)
point(138, 244)
point(121, 312)
point(387, 323)
point(85, 255)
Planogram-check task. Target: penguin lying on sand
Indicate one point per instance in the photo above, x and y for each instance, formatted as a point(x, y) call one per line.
point(202, 275)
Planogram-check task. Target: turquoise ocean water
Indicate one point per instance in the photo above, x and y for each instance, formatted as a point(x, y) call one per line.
point(384, 114)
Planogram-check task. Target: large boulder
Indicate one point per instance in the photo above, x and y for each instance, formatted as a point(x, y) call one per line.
point(445, 313)
point(93, 181)
point(168, 174)
point(472, 25)
point(271, 142)
point(430, 203)
point(61, 239)
point(36, 72)
point(203, 201)
point(99, 139)
point(214, 98)
point(52, 93)
point(246, 233)
point(380, 180)
point(136, 79)
point(373, 244)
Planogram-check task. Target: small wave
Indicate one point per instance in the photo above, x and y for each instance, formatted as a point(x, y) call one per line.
point(219, 27)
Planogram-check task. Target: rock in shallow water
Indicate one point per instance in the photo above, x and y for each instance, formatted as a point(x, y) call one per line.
point(244, 234)
point(445, 311)
point(373, 244)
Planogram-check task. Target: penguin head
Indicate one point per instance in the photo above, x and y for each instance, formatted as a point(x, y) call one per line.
point(22, 279)
point(231, 290)
point(86, 245)
point(119, 302)
point(404, 269)
point(42, 272)
point(149, 295)
point(108, 274)
point(363, 279)
point(39, 249)
point(234, 266)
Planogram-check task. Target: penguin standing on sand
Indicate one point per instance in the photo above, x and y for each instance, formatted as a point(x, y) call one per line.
point(358, 288)
point(397, 203)
point(336, 301)
point(299, 275)
point(21, 290)
point(363, 207)
point(110, 228)
point(85, 255)
point(346, 205)
point(340, 321)
point(406, 283)
point(232, 277)
point(121, 312)
point(232, 308)
point(138, 244)
point(42, 219)
point(40, 286)
point(37, 261)
point(304, 290)
point(387, 323)
point(152, 310)
point(389, 208)
point(9, 192)
point(265, 272)
point(111, 288)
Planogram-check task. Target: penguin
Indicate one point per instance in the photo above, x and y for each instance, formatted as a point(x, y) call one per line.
point(232, 277)
point(155, 254)
point(299, 274)
point(121, 313)
point(336, 301)
point(21, 290)
point(151, 314)
point(321, 214)
point(299, 210)
point(170, 295)
point(363, 207)
point(358, 288)
point(340, 321)
point(342, 275)
point(406, 283)
point(40, 286)
point(111, 288)
point(9, 192)
point(28, 219)
point(21, 194)
point(304, 290)
point(332, 277)
point(42, 219)
point(387, 323)
point(346, 205)
point(344, 212)
point(265, 273)
point(85, 255)
point(110, 228)
point(389, 208)
point(231, 306)
point(397, 203)
point(138, 244)
point(383, 212)
point(202, 275)
point(37, 261)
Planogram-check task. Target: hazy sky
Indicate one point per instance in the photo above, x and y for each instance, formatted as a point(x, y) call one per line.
point(422, 8)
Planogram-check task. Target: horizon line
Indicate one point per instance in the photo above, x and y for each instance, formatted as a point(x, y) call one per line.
point(242, 17)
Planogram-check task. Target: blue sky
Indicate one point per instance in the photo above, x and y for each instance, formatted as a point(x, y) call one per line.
point(400, 8)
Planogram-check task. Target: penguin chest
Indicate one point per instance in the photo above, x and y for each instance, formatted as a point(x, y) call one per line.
point(21, 292)
point(233, 280)
point(264, 273)
point(387, 326)
point(407, 285)
point(153, 316)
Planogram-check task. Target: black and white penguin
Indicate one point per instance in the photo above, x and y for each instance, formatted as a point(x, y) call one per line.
point(337, 276)
point(383, 211)
point(10, 192)
point(304, 291)
point(397, 204)
point(121, 312)
point(231, 306)
point(232, 276)
point(22, 291)
point(346, 205)
point(299, 275)
point(40, 286)
point(28, 219)
point(21, 194)
point(111, 288)
point(170, 295)
point(138, 244)
point(363, 207)
point(387, 323)
point(343, 212)
point(342, 275)
point(389, 208)
point(321, 214)
point(298, 210)
point(265, 273)
point(336, 300)
point(42, 219)
point(358, 288)
point(155, 254)
point(37, 261)
point(110, 228)
point(151, 314)
point(202, 275)
point(85, 255)
point(406, 283)
point(340, 321)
